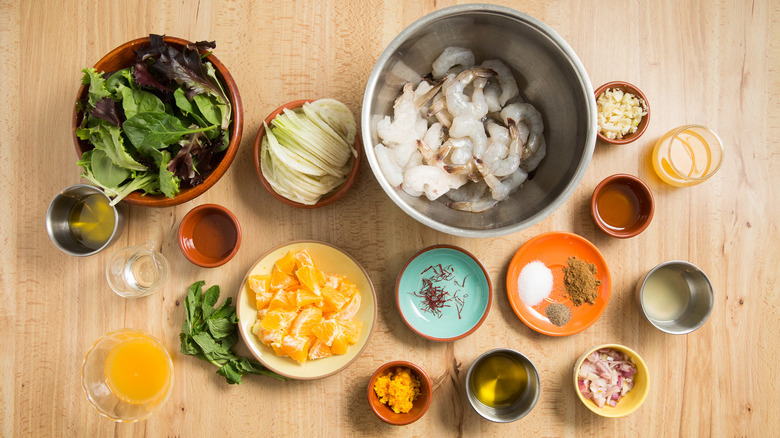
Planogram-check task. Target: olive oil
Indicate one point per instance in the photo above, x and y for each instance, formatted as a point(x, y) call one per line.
point(499, 380)
point(91, 221)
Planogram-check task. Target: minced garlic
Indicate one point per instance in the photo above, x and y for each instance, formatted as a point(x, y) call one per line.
point(398, 389)
point(619, 113)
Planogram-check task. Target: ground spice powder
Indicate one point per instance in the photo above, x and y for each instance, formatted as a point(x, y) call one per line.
point(558, 314)
point(580, 281)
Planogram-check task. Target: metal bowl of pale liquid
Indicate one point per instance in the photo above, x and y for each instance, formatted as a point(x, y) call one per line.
point(676, 297)
point(68, 234)
point(547, 71)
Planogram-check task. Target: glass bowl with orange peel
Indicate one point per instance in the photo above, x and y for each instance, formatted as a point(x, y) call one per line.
point(306, 309)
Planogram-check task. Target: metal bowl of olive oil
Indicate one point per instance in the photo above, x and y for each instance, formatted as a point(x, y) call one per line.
point(81, 222)
point(503, 385)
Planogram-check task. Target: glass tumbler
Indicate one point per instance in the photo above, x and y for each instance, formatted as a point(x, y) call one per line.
point(137, 271)
point(127, 375)
point(687, 155)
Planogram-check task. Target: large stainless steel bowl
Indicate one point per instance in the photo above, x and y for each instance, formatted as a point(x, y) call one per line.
point(549, 73)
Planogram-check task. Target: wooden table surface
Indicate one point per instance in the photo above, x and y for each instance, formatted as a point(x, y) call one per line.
point(714, 63)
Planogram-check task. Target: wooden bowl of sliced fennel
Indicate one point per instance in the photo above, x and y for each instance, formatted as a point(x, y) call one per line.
point(312, 156)
point(168, 153)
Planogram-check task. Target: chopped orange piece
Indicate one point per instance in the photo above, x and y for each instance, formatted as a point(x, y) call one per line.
point(278, 319)
point(326, 331)
point(350, 310)
point(286, 264)
point(305, 297)
point(348, 288)
point(303, 258)
point(350, 329)
point(333, 280)
point(340, 344)
point(295, 347)
point(311, 277)
point(319, 350)
point(333, 300)
point(269, 337)
point(260, 285)
point(280, 280)
point(305, 321)
point(261, 313)
point(284, 299)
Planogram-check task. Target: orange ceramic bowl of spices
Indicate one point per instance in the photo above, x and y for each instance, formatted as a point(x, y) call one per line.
point(622, 206)
point(209, 235)
point(399, 389)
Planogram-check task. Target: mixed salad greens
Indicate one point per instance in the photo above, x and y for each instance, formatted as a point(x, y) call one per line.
point(156, 125)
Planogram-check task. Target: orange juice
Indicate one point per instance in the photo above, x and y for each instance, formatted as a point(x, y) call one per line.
point(138, 371)
point(687, 155)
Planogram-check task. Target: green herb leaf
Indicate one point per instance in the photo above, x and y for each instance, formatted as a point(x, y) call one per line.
point(210, 333)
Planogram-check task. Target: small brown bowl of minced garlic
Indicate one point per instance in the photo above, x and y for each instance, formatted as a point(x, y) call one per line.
point(623, 112)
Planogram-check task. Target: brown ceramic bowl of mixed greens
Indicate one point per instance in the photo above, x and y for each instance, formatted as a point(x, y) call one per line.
point(157, 121)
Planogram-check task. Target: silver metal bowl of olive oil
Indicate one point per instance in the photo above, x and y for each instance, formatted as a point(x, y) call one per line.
point(81, 222)
point(676, 297)
point(502, 385)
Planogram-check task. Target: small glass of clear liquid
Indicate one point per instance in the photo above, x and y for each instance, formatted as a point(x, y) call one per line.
point(137, 271)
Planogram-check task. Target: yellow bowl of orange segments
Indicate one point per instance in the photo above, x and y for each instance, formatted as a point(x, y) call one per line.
point(307, 361)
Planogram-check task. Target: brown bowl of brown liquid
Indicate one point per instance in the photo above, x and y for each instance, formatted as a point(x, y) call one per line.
point(622, 206)
point(209, 235)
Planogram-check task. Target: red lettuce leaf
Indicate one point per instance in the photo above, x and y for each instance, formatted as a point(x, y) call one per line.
point(105, 109)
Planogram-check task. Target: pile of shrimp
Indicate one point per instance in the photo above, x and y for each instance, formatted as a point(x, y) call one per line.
point(462, 132)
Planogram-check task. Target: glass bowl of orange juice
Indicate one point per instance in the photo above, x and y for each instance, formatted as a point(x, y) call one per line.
point(127, 375)
point(687, 155)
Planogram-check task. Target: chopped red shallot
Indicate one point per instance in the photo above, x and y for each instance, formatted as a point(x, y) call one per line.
point(605, 376)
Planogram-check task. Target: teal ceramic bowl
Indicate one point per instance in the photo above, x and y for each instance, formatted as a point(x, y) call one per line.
point(443, 293)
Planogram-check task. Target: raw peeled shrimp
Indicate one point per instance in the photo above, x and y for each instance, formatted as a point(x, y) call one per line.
point(451, 57)
point(492, 92)
point(501, 189)
point(434, 136)
point(407, 124)
point(392, 171)
point(460, 145)
point(524, 113)
point(535, 148)
point(502, 156)
point(458, 104)
point(439, 109)
point(482, 204)
point(473, 198)
point(505, 80)
point(431, 181)
point(472, 128)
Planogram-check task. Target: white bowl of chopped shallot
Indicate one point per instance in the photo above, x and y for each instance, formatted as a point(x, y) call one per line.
point(611, 380)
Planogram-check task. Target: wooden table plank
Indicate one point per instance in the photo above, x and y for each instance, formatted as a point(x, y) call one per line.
point(714, 63)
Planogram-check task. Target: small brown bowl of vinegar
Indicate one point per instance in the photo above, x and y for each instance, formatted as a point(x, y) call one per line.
point(622, 206)
point(209, 235)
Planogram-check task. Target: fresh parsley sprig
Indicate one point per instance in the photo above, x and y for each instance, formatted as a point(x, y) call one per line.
point(210, 332)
